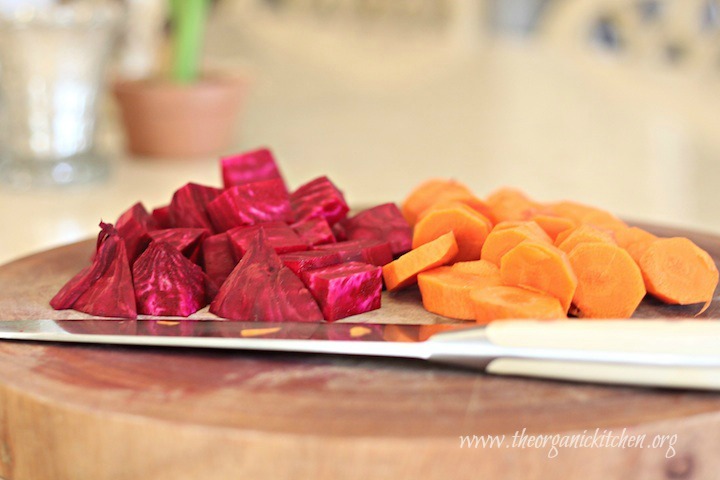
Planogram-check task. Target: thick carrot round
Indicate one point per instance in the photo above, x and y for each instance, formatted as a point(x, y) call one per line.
point(507, 235)
point(478, 267)
point(553, 225)
point(470, 229)
point(540, 267)
point(679, 272)
point(635, 240)
point(403, 271)
point(473, 202)
point(503, 302)
point(511, 204)
point(446, 291)
point(610, 284)
point(430, 192)
point(582, 234)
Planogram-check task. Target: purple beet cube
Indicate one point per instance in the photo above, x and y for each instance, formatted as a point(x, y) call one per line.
point(262, 288)
point(162, 216)
point(383, 222)
point(319, 198)
point(248, 167)
point(301, 261)
point(345, 289)
point(314, 231)
point(187, 241)
point(374, 252)
point(278, 235)
point(134, 226)
point(105, 288)
point(167, 283)
point(218, 257)
point(188, 207)
point(250, 204)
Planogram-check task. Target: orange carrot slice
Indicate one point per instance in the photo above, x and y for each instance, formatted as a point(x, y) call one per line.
point(473, 202)
point(583, 234)
point(511, 204)
point(431, 192)
point(540, 267)
point(553, 225)
point(403, 271)
point(504, 237)
point(478, 267)
point(446, 291)
point(503, 302)
point(470, 229)
point(679, 272)
point(610, 284)
point(635, 240)
point(581, 213)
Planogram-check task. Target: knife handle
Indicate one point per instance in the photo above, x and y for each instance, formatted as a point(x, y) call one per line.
point(666, 353)
point(681, 337)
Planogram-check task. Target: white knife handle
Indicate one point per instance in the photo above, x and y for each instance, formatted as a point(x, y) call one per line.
point(672, 353)
point(683, 337)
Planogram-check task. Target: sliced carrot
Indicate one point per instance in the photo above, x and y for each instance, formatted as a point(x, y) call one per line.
point(446, 291)
point(503, 238)
point(403, 271)
point(473, 202)
point(511, 204)
point(431, 192)
point(470, 229)
point(679, 272)
point(540, 267)
point(581, 213)
point(635, 240)
point(610, 284)
point(553, 225)
point(583, 234)
point(503, 302)
point(478, 267)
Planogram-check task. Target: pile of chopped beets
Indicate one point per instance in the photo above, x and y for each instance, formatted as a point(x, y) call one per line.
point(252, 250)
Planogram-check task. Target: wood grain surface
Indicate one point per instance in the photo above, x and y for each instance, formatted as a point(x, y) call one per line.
point(102, 412)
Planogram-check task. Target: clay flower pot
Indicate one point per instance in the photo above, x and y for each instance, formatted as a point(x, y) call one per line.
point(165, 119)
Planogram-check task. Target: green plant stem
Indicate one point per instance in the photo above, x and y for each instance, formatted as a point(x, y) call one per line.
point(188, 18)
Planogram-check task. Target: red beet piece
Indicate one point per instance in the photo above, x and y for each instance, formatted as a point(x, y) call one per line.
point(345, 289)
point(188, 207)
point(314, 231)
point(167, 283)
point(249, 167)
point(262, 288)
point(281, 237)
point(374, 252)
point(250, 204)
point(383, 222)
point(133, 226)
point(339, 232)
point(162, 216)
point(105, 288)
point(301, 261)
point(186, 240)
point(319, 198)
point(218, 257)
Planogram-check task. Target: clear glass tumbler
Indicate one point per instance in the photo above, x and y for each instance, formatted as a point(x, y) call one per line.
point(52, 70)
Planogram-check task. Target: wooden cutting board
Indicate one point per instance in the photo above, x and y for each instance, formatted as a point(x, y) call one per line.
point(103, 412)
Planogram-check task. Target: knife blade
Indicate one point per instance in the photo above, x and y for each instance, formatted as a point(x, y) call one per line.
point(666, 353)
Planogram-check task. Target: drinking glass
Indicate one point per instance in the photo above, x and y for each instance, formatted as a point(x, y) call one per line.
point(53, 60)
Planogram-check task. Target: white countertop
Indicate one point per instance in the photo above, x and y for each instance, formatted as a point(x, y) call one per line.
point(380, 118)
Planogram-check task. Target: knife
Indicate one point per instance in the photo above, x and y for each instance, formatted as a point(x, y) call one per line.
point(660, 353)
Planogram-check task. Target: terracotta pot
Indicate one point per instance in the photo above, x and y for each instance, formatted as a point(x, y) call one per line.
point(165, 119)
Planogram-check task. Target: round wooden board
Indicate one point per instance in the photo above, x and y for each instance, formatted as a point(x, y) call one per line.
point(89, 412)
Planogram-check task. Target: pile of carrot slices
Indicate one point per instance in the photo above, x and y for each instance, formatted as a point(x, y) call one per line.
point(507, 256)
